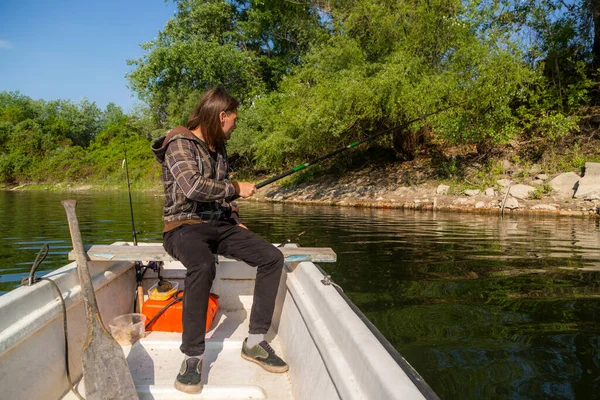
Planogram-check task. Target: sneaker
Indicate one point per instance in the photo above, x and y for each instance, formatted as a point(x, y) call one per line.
point(264, 355)
point(189, 380)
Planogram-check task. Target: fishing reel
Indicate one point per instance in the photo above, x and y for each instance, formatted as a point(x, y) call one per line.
point(141, 268)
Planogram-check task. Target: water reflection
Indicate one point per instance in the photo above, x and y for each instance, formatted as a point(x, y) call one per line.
point(482, 307)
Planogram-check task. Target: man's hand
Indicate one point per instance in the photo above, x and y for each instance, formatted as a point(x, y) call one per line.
point(244, 189)
point(243, 226)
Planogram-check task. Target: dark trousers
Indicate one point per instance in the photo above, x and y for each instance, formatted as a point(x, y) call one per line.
point(194, 245)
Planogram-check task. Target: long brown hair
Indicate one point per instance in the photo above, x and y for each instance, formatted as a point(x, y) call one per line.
point(206, 116)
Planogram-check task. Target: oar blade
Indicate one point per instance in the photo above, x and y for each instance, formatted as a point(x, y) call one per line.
point(105, 369)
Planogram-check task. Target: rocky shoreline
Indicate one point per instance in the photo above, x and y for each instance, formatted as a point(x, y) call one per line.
point(563, 194)
point(382, 186)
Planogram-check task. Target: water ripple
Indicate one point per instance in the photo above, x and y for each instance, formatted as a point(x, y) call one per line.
point(482, 307)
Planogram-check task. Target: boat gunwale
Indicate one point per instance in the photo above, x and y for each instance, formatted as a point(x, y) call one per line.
point(408, 369)
point(12, 332)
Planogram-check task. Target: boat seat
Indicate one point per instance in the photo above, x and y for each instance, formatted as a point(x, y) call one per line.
point(154, 252)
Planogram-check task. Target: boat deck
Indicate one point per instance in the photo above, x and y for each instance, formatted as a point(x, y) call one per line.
point(155, 361)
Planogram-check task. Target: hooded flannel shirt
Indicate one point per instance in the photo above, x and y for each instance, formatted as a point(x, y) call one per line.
point(197, 187)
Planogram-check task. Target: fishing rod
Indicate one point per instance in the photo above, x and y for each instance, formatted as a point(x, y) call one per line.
point(290, 240)
point(351, 145)
point(129, 190)
point(140, 270)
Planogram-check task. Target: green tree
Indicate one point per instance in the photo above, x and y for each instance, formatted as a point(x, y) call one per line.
point(386, 63)
point(558, 38)
point(39, 139)
point(245, 46)
point(83, 119)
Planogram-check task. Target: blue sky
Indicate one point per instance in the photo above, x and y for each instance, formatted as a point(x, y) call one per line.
point(66, 49)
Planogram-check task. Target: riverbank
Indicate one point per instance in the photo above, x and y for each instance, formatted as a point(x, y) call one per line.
point(565, 180)
point(384, 188)
point(501, 185)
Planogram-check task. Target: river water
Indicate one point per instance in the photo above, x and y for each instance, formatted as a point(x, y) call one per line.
point(482, 307)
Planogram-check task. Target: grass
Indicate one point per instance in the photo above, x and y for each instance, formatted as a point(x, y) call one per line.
point(542, 191)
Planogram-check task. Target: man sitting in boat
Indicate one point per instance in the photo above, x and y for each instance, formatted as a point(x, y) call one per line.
point(201, 219)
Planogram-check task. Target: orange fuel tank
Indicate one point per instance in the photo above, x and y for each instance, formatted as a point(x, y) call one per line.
point(170, 320)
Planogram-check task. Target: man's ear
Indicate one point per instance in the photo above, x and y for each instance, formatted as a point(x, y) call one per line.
point(222, 116)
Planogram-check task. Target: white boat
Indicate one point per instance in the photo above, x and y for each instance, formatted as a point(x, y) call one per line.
point(333, 351)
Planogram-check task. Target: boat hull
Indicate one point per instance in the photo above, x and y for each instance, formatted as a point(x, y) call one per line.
point(332, 352)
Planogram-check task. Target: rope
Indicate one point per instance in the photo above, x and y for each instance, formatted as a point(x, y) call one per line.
point(162, 310)
point(64, 308)
point(30, 280)
point(328, 281)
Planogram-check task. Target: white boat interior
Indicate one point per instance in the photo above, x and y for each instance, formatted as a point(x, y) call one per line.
point(332, 351)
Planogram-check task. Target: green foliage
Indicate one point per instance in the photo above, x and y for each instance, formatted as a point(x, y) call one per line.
point(314, 76)
point(303, 176)
point(317, 75)
point(541, 191)
point(381, 68)
point(60, 141)
point(246, 47)
point(557, 125)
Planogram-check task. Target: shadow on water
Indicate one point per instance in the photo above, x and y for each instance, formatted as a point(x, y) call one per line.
point(482, 307)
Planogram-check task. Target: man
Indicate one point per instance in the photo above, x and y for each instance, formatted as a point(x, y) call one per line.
point(201, 219)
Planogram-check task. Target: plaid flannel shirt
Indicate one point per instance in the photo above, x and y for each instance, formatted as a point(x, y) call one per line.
point(196, 186)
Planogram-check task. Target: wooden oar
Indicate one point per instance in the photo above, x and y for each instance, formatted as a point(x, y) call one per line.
point(105, 368)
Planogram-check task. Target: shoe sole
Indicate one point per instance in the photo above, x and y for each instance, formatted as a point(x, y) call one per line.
point(277, 370)
point(187, 388)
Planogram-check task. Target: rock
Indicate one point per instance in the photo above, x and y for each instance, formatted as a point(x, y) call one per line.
point(504, 182)
point(535, 169)
point(537, 182)
point(589, 185)
point(542, 177)
point(490, 192)
point(472, 192)
point(461, 200)
point(548, 207)
point(521, 191)
point(379, 198)
point(480, 204)
point(565, 183)
point(511, 203)
point(442, 189)
point(592, 168)
point(506, 165)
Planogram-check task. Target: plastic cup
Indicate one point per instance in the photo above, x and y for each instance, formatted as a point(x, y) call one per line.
point(129, 328)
